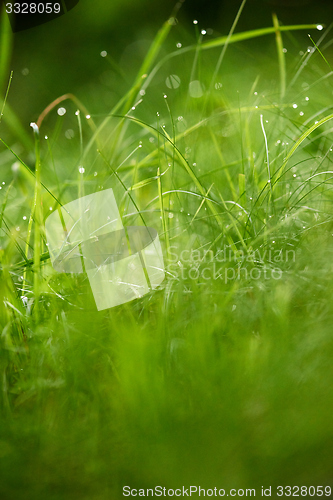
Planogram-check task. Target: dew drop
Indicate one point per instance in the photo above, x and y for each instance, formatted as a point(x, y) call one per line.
point(301, 113)
point(51, 209)
point(95, 174)
point(172, 82)
point(69, 134)
point(104, 53)
point(195, 21)
point(165, 96)
point(170, 215)
point(142, 92)
point(178, 45)
point(77, 112)
point(88, 117)
point(307, 98)
point(195, 89)
point(203, 32)
point(173, 21)
point(81, 170)
point(294, 106)
point(320, 27)
point(24, 217)
point(46, 137)
point(284, 50)
point(61, 111)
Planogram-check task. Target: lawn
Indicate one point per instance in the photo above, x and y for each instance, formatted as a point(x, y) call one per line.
point(220, 377)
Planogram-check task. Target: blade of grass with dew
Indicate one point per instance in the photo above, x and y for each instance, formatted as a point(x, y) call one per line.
point(6, 95)
point(281, 56)
point(297, 144)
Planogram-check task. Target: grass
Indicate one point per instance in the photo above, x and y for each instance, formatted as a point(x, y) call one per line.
point(223, 376)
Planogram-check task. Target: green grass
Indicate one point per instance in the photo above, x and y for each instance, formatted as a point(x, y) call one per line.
point(223, 376)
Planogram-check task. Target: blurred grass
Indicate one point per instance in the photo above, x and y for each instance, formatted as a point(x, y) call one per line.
point(220, 382)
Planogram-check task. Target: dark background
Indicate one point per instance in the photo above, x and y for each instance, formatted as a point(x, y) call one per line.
point(64, 55)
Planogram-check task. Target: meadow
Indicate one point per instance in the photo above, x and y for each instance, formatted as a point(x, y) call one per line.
point(222, 376)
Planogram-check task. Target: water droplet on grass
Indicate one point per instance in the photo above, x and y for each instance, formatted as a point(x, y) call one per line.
point(307, 98)
point(81, 170)
point(172, 82)
point(88, 117)
point(203, 32)
point(178, 45)
point(24, 217)
point(69, 134)
point(294, 106)
point(320, 27)
point(173, 21)
point(142, 92)
point(196, 89)
point(61, 111)
point(104, 53)
point(195, 21)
